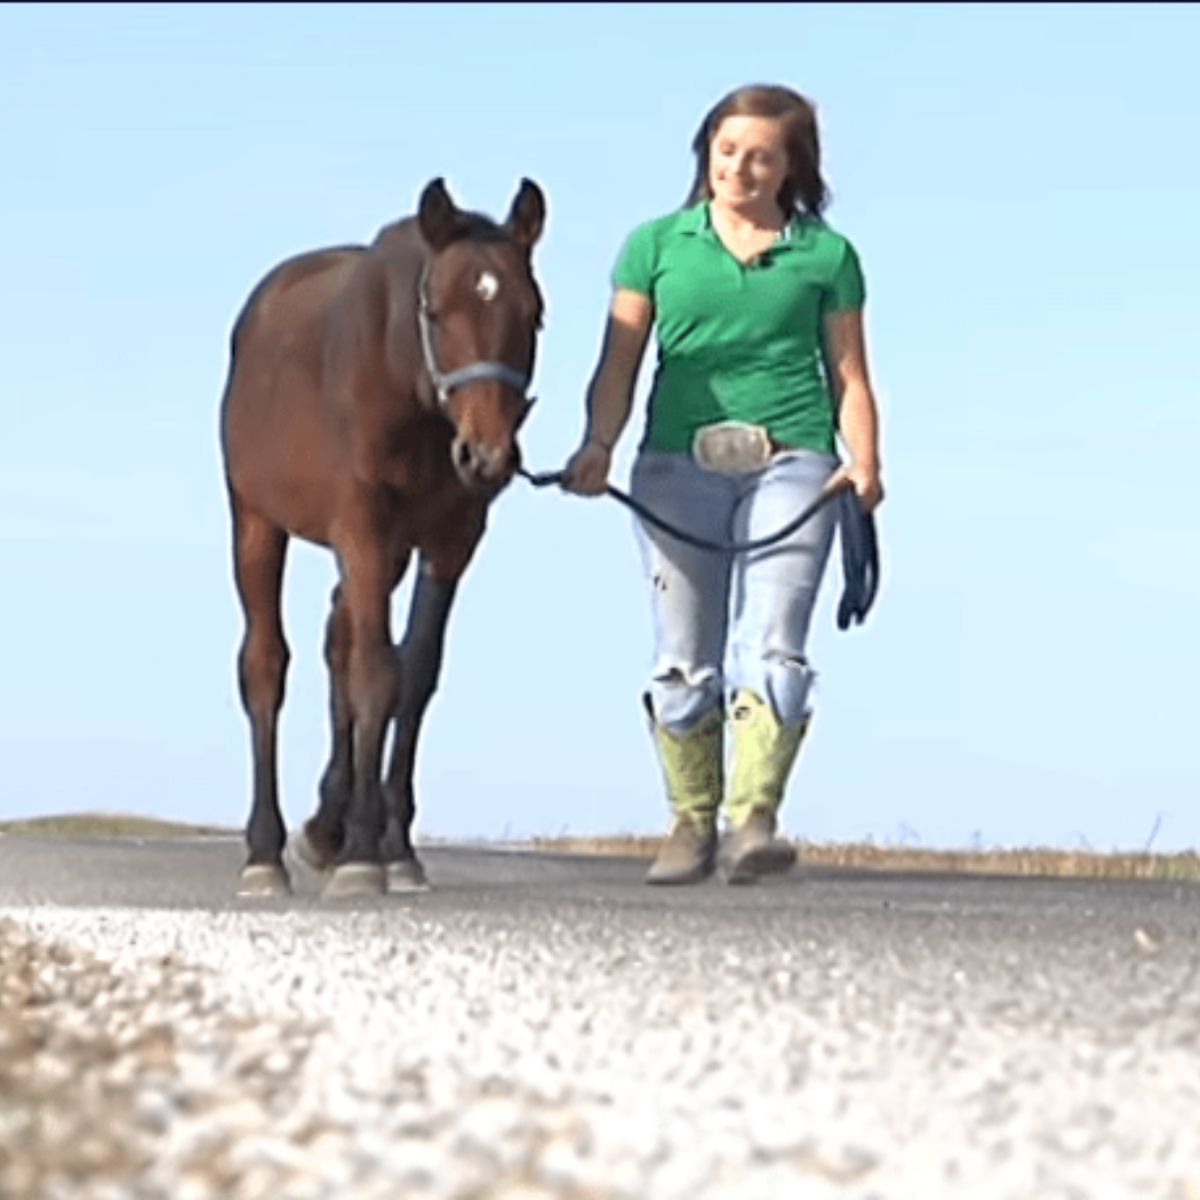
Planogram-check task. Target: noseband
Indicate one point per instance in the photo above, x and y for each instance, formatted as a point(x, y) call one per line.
point(444, 382)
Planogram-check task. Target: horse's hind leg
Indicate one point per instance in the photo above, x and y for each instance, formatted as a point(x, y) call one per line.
point(320, 841)
point(259, 549)
point(420, 656)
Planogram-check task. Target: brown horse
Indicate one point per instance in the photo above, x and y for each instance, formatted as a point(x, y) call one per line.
point(372, 406)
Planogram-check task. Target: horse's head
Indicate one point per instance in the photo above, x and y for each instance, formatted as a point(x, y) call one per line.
point(480, 311)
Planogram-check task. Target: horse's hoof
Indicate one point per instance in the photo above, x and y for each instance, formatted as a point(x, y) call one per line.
point(406, 875)
point(301, 846)
point(355, 879)
point(261, 880)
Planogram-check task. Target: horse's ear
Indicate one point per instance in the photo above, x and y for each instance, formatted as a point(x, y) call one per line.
point(527, 215)
point(438, 216)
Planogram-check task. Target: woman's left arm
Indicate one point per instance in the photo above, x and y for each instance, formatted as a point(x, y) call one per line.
point(858, 416)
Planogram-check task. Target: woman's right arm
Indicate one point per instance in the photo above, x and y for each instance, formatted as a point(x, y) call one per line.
point(610, 395)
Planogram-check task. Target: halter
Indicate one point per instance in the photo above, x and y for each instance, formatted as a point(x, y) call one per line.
point(444, 382)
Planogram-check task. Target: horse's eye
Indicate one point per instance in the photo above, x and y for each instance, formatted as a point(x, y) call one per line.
point(487, 286)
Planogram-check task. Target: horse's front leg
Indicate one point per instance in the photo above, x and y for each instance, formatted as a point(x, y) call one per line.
point(420, 659)
point(372, 680)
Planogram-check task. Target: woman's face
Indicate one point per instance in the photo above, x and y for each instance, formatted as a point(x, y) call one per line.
point(747, 162)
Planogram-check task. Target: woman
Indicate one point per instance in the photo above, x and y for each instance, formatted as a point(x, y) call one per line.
point(757, 307)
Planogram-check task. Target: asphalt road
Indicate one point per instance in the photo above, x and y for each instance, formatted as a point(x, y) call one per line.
point(830, 1033)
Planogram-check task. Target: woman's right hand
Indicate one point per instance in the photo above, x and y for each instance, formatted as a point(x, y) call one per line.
point(586, 472)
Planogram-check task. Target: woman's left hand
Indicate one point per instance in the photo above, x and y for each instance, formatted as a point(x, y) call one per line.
point(868, 486)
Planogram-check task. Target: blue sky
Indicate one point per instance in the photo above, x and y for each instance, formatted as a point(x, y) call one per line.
point(1021, 185)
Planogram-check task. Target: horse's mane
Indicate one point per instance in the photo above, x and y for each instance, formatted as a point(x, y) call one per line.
point(470, 226)
point(479, 228)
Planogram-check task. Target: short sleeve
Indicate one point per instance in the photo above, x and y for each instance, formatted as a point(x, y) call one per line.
point(847, 289)
point(634, 269)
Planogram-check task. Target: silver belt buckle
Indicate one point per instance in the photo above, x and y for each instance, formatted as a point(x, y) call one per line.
point(732, 447)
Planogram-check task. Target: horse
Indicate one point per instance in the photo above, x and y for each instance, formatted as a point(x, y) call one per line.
point(371, 406)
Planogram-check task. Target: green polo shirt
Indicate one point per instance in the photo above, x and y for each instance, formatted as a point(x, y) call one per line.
point(740, 341)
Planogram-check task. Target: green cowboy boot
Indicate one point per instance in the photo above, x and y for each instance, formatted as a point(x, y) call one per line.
point(692, 769)
point(764, 751)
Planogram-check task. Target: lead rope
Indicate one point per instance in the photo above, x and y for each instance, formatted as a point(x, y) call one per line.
point(860, 548)
point(547, 478)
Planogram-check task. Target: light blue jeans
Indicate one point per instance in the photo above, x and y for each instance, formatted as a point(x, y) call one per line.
point(731, 621)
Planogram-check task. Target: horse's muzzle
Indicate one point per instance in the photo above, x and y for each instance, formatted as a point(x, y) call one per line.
point(483, 468)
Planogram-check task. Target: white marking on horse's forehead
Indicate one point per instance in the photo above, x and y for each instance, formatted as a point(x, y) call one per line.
point(486, 286)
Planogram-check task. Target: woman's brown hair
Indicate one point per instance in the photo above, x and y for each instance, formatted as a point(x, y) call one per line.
point(803, 188)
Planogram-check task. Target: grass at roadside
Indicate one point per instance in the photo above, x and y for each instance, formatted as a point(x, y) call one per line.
point(107, 825)
point(1028, 862)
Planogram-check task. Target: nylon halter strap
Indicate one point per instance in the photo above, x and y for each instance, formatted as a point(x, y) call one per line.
point(444, 382)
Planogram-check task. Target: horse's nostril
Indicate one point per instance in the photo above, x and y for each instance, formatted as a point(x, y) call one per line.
point(470, 460)
point(478, 463)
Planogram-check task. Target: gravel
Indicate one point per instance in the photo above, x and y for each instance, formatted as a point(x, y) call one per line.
point(416, 1050)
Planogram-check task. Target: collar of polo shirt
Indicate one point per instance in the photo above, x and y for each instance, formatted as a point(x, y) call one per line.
point(697, 220)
